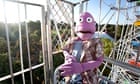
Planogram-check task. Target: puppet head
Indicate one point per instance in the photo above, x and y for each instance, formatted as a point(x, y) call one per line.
point(86, 27)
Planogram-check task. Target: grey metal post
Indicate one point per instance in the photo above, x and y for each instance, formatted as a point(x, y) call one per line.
point(81, 7)
point(8, 44)
point(49, 42)
point(115, 73)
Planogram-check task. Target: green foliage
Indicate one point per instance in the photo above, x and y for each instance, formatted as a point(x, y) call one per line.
point(64, 30)
point(38, 75)
point(107, 46)
point(4, 64)
point(35, 48)
point(34, 26)
point(3, 45)
point(58, 59)
point(2, 30)
point(112, 30)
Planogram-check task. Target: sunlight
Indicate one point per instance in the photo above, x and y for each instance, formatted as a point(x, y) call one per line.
point(14, 12)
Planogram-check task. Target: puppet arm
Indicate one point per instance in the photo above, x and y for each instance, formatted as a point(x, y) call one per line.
point(92, 64)
point(74, 67)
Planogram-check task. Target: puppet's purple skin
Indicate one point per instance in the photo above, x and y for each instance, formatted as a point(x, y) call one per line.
point(86, 27)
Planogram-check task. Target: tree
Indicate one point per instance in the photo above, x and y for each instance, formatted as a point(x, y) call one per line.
point(107, 46)
point(3, 45)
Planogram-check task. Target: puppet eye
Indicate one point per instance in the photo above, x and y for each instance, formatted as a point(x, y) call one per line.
point(89, 19)
point(81, 20)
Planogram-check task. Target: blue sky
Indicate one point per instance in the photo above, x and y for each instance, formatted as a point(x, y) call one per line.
point(94, 8)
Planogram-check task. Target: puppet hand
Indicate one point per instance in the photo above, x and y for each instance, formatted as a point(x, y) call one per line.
point(73, 67)
point(69, 58)
point(70, 68)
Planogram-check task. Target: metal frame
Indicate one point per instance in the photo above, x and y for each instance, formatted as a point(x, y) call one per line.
point(44, 45)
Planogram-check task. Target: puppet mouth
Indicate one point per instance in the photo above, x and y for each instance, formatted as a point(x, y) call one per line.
point(85, 32)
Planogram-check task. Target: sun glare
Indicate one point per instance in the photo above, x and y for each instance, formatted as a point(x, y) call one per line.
point(14, 12)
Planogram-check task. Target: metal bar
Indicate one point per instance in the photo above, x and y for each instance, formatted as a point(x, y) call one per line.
point(44, 45)
point(106, 64)
point(106, 79)
point(138, 55)
point(72, 22)
point(58, 33)
point(104, 27)
point(20, 44)
point(49, 43)
point(72, 11)
point(105, 16)
point(100, 6)
point(115, 75)
point(65, 13)
point(123, 44)
point(81, 7)
point(8, 44)
point(132, 68)
point(86, 6)
point(116, 26)
point(74, 4)
point(12, 75)
point(22, 2)
point(20, 72)
point(28, 44)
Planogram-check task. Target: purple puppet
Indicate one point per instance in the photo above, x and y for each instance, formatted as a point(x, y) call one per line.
point(83, 53)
